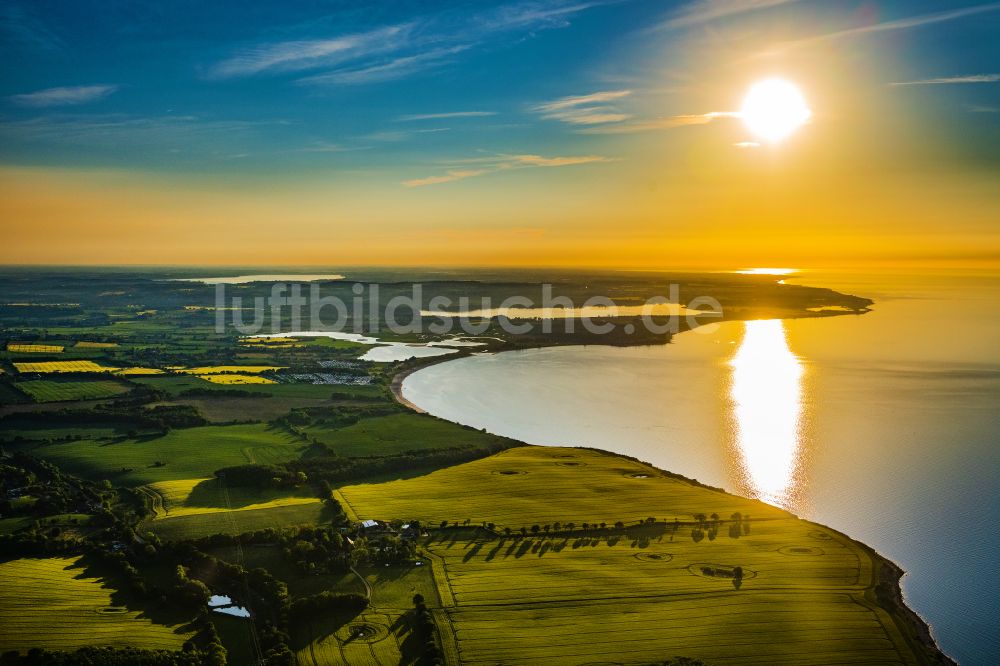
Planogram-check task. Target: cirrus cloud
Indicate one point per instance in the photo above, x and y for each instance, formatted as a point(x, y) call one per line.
point(63, 96)
point(502, 163)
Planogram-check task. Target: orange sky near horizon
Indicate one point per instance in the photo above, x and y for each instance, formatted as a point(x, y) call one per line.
point(657, 176)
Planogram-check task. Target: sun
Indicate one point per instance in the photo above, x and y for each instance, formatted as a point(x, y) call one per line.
point(773, 109)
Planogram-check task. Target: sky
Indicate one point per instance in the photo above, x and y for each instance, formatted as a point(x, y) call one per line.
point(560, 133)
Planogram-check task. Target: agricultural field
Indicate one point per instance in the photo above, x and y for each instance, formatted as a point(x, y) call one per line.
point(129, 372)
point(192, 497)
point(43, 367)
point(83, 344)
point(527, 485)
point(189, 453)
point(54, 604)
point(23, 348)
point(638, 593)
point(218, 369)
point(236, 379)
point(333, 641)
point(239, 522)
point(396, 433)
point(37, 428)
point(54, 390)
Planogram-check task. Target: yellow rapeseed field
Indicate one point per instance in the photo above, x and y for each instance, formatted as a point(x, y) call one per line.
point(218, 369)
point(237, 379)
point(33, 348)
point(63, 366)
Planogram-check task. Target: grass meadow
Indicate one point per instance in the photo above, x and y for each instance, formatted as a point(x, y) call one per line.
point(54, 390)
point(190, 453)
point(396, 433)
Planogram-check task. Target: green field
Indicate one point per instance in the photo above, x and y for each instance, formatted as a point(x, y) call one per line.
point(188, 454)
point(174, 385)
point(192, 508)
point(37, 427)
point(396, 433)
point(53, 390)
point(192, 497)
point(332, 643)
point(633, 595)
point(238, 522)
point(527, 485)
point(52, 604)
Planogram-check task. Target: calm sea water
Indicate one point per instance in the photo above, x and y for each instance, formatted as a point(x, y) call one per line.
point(885, 426)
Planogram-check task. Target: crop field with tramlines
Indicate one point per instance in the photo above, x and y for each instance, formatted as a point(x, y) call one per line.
point(53, 604)
point(238, 522)
point(236, 379)
point(370, 639)
point(189, 497)
point(638, 591)
point(48, 390)
point(43, 367)
point(528, 485)
point(217, 369)
point(25, 348)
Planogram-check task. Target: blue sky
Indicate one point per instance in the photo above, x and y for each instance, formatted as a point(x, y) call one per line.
point(565, 132)
point(230, 86)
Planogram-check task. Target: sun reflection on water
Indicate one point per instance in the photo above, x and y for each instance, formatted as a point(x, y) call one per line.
point(766, 391)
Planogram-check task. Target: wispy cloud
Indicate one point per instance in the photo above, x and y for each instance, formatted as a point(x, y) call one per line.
point(949, 80)
point(23, 28)
point(446, 115)
point(160, 134)
point(67, 96)
point(704, 11)
point(392, 52)
point(389, 70)
point(592, 109)
point(502, 163)
point(669, 122)
point(886, 26)
point(446, 178)
point(306, 54)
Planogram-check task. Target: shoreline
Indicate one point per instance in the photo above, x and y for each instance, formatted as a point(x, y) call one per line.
point(915, 629)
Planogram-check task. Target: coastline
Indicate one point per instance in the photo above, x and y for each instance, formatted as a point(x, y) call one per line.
point(885, 591)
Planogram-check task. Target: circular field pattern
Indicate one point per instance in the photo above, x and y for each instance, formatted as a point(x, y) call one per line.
point(508, 472)
point(661, 558)
point(820, 535)
point(800, 550)
point(699, 569)
point(568, 463)
point(639, 475)
point(365, 631)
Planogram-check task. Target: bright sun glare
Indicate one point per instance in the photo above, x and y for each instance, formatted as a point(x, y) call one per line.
point(773, 109)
